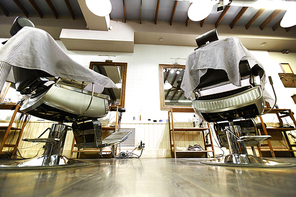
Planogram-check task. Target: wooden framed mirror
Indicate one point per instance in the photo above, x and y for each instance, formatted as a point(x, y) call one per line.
point(171, 95)
point(117, 73)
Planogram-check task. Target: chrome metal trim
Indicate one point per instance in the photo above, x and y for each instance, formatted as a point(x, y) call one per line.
point(251, 96)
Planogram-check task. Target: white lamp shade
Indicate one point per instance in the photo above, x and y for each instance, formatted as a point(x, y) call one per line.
point(199, 10)
point(99, 7)
point(289, 19)
point(167, 85)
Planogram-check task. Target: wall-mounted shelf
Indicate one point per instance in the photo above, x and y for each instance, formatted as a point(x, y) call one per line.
point(288, 79)
point(173, 131)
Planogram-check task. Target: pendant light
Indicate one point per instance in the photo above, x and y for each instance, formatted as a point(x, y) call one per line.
point(200, 9)
point(99, 7)
point(289, 19)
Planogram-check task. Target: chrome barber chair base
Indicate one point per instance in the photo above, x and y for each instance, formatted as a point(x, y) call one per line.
point(248, 161)
point(37, 164)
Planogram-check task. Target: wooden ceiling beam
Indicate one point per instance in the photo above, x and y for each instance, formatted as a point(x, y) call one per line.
point(172, 83)
point(277, 25)
point(167, 75)
point(187, 21)
point(70, 9)
point(270, 18)
point(124, 13)
point(238, 16)
point(180, 95)
point(176, 91)
point(141, 11)
point(254, 18)
point(157, 10)
point(36, 8)
point(174, 10)
point(52, 8)
point(202, 22)
point(222, 16)
point(288, 29)
point(21, 7)
point(4, 10)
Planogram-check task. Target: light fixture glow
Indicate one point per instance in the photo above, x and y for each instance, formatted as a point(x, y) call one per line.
point(99, 7)
point(199, 10)
point(289, 19)
point(167, 85)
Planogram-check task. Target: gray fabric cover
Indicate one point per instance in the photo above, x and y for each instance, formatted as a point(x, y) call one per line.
point(221, 54)
point(33, 48)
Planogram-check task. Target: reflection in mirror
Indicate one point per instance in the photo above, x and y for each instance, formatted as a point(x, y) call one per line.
point(171, 95)
point(117, 73)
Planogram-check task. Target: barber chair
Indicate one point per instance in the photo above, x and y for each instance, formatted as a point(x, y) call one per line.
point(64, 101)
point(232, 112)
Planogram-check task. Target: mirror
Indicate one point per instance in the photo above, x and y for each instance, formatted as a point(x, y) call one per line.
point(117, 73)
point(171, 95)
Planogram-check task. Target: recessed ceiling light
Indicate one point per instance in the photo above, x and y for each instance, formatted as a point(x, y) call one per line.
point(161, 39)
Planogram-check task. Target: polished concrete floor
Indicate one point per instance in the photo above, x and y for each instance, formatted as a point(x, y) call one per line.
point(150, 177)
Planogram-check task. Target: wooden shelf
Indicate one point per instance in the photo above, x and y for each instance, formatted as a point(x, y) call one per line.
point(273, 131)
point(190, 129)
point(11, 128)
point(192, 154)
point(8, 129)
point(173, 130)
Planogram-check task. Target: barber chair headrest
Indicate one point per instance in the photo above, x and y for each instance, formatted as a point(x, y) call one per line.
point(19, 23)
point(207, 37)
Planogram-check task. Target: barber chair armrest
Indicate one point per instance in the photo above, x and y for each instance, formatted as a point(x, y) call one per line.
point(254, 138)
point(78, 86)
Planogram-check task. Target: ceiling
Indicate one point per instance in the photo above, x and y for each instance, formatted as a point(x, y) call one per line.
point(163, 22)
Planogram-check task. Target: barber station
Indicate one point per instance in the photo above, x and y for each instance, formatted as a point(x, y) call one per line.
point(94, 104)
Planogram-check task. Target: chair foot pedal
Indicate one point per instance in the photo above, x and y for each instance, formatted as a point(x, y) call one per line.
point(115, 138)
point(50, 140)
point(254, 138)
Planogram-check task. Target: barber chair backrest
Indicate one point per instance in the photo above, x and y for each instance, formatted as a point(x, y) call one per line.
point(26, 80)
point(214, 77)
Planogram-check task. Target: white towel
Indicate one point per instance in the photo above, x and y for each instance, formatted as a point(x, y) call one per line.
point(222, 54)
point(33, 48)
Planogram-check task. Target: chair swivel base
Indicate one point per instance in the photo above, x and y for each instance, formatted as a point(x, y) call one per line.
point(38, 164)
point(250, 161)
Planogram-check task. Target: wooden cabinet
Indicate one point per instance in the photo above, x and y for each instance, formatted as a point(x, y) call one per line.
point(11, 128)
point(191, 131)
point(279, 144)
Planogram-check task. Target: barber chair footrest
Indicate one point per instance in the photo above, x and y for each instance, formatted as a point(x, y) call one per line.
point(115, 138)
point(254, 138)
point(50, 140)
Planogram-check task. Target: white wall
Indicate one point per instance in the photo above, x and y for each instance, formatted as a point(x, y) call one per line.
point(285, 93)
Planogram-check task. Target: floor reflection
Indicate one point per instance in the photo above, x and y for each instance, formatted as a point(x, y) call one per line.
point(150, 177)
